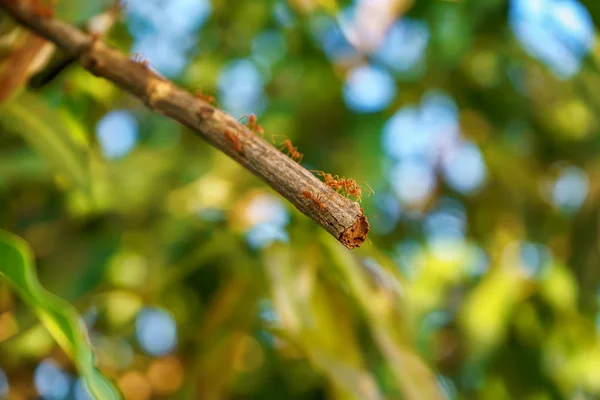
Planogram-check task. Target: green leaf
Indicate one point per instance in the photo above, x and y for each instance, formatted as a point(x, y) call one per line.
point(58, 316)
point(50, 134)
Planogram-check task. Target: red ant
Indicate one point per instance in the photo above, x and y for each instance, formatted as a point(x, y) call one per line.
point(140, 59)
point(352, 188)
point(205, 97)
point(235, 141)
point(317, 199)
point(252, 124)
point(291, 150)
point(333, 182)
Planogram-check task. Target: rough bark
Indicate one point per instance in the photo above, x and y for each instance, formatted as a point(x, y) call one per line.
point(341, 217)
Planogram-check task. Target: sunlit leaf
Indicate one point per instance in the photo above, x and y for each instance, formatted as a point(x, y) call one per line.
point(60, 318)
point(330, 6)
point(487, 310)
point(559, 288)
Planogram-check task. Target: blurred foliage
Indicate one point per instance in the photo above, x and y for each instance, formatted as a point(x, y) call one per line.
point(196, 281)
point(57, 316)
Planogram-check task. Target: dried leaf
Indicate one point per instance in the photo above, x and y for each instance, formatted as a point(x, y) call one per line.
point(26, 58)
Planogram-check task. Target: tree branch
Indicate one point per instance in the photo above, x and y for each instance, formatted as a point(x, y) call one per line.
point(341, 217)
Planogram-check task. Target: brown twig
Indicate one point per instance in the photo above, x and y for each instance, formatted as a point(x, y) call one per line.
point(342, 218)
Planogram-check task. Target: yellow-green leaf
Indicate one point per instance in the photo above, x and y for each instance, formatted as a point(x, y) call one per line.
point(330, 6)
point(58, 316)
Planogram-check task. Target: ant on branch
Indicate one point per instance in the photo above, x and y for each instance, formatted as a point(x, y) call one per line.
point(317, 199)
point(204, 97)
point(353, 189)
point(252, 124)
point(234, 139)
point(292, 150)
point(333, 182)
point(349, 186)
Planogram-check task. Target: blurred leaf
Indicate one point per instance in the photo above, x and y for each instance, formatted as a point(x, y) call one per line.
point(51, 135)
point(330, 6)
point(59, 317)
point(488, 308)
point(379, 300)
point(21, 167)
point(318, 323)
point(559, 288)
point(227, 320)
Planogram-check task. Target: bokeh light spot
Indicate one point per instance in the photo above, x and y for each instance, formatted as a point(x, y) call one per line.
point(464, 169)
point(241, 88)
point(570, 189)
point(426, 132)
point(557, 32)
point(401, 138)
point(283, 15)
point(389, 213)
point(266, 208)
point(413, 181)
point(334, 43)
point(267, 217)
point(164, 32)
point(169, 60)
point(404, 46)
point(117, 134)
point(166, 375)
point(408, 255)
point(534, 258)
point(135, 386)
point(3, 384)
point(447, 221)
point(51, 381)
point(81, 391)
point(156, 331)
point(262, 235)
point(369, 89)
point(478, 261)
